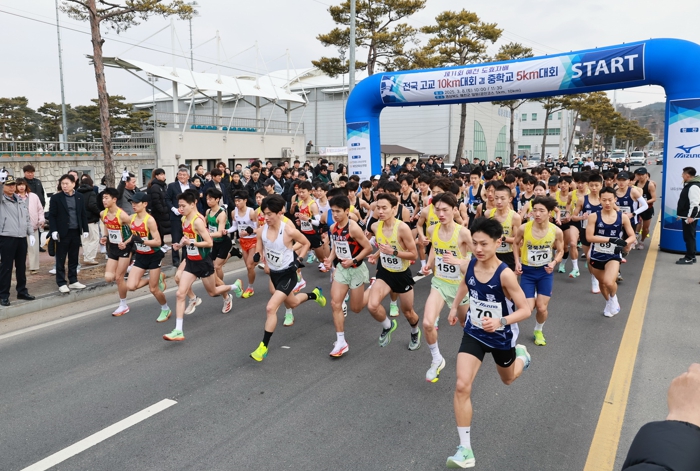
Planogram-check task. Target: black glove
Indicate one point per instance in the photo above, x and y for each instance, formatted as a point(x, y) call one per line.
point(299, 263)
point(136, 238)
point(618, 250)
point(236, 252)
point(249, 230)
point(256, 257)
point(617, 241)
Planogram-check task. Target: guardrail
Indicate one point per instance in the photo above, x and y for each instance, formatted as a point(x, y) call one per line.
point(125, 146)
point(225, 123)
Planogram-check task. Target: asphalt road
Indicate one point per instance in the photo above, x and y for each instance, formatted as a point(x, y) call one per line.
point(300, 409)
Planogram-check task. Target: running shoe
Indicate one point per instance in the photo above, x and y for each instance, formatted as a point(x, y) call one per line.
point(607, 312)
point(260, 353)
point(539, 338)
point(288, 319)
point(301, 283)
point(385, 336)
point(237, 288)
point(574, 273)
point(393, 310)
point(175, 336)
point(320, 298)
point(164, 315)
point(248, 293)
point(322, 268)
point(193, 305)
point(120, 311)
point(340, 349)
point(161, 282)
point(614, 306)
point(595, 286)
point(640, 246)
point(623, 260)
point(228, 304)
point(345, 309)
point(562, 268)
point(311, 258)
point(433, 373)
point(464, 458)
point(415, 342)
point(521, 352)
point(619, 278)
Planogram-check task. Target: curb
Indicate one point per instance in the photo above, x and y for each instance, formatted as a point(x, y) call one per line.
point(55, 299)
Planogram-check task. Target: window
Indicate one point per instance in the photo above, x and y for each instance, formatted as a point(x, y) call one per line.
point(551, 117)
point(146, 175)
point(523, 117)
point(559, 116)
point(534, 116)
point(540, 132)
point(501, 144)
point(480, 151)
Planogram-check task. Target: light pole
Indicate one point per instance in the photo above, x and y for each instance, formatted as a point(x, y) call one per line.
point(194, 14)
point(342, 90)
point(153, 79)
point(60, 70)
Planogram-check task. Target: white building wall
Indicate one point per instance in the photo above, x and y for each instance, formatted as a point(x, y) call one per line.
point(556, 144)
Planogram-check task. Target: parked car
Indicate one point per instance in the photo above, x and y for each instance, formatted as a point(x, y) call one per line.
point(660, 158)
point(533, 160)
point(618, 155)
point(637, 158)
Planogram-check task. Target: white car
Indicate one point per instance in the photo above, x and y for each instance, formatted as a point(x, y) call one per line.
point(637, 158)
point(618, 156)
point(533, 160)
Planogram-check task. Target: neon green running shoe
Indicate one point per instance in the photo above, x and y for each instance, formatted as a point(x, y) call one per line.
point(464, 458)
point(562, 268)
point(385, 336)
point(320, 298)
point(288, 319)
point(393, 310)
point(539, 338)
point(574, 273)
point(164, 315)
point(237, 288)
point(161, 282)
point(522, 353)
point(175, 336)
point(260, 353)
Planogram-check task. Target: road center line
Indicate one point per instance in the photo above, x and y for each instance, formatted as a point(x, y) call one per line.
point(102, 435)
point(603, 450)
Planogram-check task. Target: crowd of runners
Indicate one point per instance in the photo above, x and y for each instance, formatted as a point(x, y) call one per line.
point(492, 243)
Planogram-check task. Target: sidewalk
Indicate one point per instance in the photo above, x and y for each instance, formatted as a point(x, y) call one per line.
point(43, 285)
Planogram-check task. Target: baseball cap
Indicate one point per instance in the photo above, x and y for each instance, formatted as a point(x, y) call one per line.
point(10, 180)
point(377, 177)
point(140, 197)
point(641, 171)
point(553, 180)
point(566, 170)
point(623, 176)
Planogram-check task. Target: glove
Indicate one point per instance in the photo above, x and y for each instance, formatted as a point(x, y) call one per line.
point(86, 235)
point(618, 250)
point(299, 263)
point(136, 238)
point(256, 257)
point(175, 211)
point(32, 241)
point(125, 175)
point(3, 175)
point(54, 235)
point(249, 230)
point(617, 241)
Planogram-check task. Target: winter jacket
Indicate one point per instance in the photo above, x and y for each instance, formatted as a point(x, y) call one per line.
point(158, 207)
point(36, 211)
point(91, 206)
point(14, 217)
point(251, 188)
point(38, 189)
point(125, 196)
point(663, 446)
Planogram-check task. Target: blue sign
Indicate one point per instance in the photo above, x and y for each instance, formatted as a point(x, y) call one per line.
point(625, 64)
point(689, 129)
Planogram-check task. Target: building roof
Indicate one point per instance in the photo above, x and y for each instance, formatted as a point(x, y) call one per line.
point(391, 149)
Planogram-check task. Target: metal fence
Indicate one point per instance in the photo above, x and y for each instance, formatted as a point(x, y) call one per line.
point(129, 145)
point(224, 123)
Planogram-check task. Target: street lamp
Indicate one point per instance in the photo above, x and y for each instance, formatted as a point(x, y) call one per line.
point(342, 90)
point(194, 14)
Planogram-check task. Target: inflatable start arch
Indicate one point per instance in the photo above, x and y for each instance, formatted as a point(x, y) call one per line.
point(671, 63)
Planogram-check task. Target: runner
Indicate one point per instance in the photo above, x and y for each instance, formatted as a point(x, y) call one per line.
point(308, 220)
point(649, 194)
point(396, 249)
point(450, 244)
point(198, 264)
point(281, 243)
point(115, 232)
point(148, 256)
point(246, 222)
point(562, 196)
point(630, 199)
point(491, 326)
point(218, 225)
point(539, 248)
point(587, 205)
point(350, 247)
point(509, 219)
point(605, 230)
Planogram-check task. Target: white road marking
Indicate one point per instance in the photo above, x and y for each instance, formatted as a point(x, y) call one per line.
point(102, 435)
point(284, 346)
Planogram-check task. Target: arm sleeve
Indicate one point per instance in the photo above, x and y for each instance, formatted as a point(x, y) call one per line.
point(643, 206)
point(660, 446)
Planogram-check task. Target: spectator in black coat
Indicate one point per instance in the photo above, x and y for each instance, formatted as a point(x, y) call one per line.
point(34, 184)
point(253, 185)
point(174, 189)
point(92, 243)
point(157, 206)
point(236, 184)
point(215, 182)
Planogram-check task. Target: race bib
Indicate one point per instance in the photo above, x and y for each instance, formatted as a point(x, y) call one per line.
point(625, 209)
point(538, 257)
point(410, 210)
point(192, 250)
point(606, 248)
point(479, 309)
point(213, 229)
point(342, 249)
point(307, 226)
point(505, 247)
point(273, 258)
point(141, 247)
point(446, 270)
point(115, 236)
point(563, 213)
point(390, 262)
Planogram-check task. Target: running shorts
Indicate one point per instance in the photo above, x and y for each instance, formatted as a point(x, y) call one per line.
point(535, 280)
point(472, 346)
point(150, 261)
point(199, 268)
point(115, 253)
point(221, 248)
point(284, 280)
point(398, 282)
point(352, 277)
point(448, 291)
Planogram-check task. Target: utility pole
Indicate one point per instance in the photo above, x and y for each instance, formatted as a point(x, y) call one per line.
point(60, 70)
point(193, 5)
point(351, 71)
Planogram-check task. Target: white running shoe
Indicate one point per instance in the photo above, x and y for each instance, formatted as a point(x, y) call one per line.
point(53, 271)
point(607, 311)
point(595, 286)
point(339, 349)
point(64, 289)
point(193, 303)
point(77, 285)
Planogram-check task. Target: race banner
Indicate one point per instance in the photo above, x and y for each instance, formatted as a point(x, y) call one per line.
point(331, 151)
point(499, 81)
point(359, 154)
point(682, 150)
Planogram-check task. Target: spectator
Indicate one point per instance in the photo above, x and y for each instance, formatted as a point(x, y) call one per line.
point(238, 168)
point(199, 173)
point(279, 181)
point(34, 184)
point(92, 243)
point(309, 146)
point(225, 178)
point(36, 217)
point(252, 186)
point(67, 220)
point(323, 174)
point(236, 184)
point(174, 189)
point(126, 189)
point(317, 169)
point(687, 210)
point(15, 230)
point(245, 176)
point(393, 166)
point(217, 177)
point(157, 205)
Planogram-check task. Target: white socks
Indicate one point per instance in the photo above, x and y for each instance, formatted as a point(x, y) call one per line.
point(435, 352)
point(165, 307)
point(288, 311)
point(340, 338)
point(422, 263)
point(386, 323)
point(465, 437)
point(122, 303)
point(178, 324)
point(395, 303)
point(539, 326)
point(575, 262)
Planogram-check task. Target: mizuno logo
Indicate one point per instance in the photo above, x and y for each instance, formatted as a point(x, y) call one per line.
point(687, 149)
point(492, 286)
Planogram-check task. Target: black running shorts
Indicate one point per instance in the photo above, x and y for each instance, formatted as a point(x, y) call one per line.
point(221, 248)
point(473, 347)
point(148, 261)
point(285, 280)
point(398, 282)
point(199, 268)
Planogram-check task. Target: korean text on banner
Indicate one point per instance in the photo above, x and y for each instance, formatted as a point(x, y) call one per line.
point(359, 154)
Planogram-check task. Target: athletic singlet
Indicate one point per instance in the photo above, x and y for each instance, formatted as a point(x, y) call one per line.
point(432, 218)
point(606, 251)
point(306, 226)
point(524, 200)
point(142, 231)
point(324, 209)
point(587, 209)
point(260, 216)
point(537, 252)
point(346, 248)
point(505, 247)
point(408, 202)
point(574, 196)
point(474, 200)
point(116, 231)
point(488, 300)
point(445, 271)
point(388, 261)
point(188, 230)
point(244, 222)
point(278, 256)
point(646, 193)
point(213, 226)
point(564, 209)
point(627, 204)
point(360, 196)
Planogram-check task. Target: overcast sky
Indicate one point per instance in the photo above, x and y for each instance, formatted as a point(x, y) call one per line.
point(30, 55)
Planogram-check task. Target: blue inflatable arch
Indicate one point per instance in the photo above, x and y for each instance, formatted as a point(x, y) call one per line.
point(671, 63)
